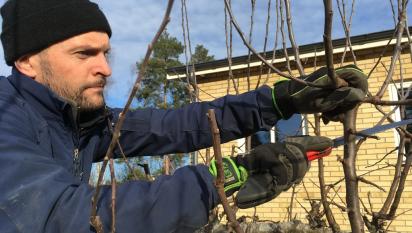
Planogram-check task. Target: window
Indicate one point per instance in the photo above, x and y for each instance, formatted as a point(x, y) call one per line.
point(401, 113)
point(290, 127)
point(406, 113)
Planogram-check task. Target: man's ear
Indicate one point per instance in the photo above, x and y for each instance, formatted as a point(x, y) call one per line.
point(27, 65)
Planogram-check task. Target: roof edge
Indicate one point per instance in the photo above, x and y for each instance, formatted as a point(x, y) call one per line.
point(363, 41)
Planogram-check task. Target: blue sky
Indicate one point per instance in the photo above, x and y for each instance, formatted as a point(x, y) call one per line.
point(134, 23)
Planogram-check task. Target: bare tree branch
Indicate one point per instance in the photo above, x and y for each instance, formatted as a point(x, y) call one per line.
point(220, 179)
point(346, 28)
point(306, 210)
point(323, 193)
point(190, 66)
point(393, 12)
point(404, 174)
point(396, 53)
point(409, 36)
point(264, 43)
point(292, 38)
point(327, 41)
point(276, 41)
point(166, 165)
point(131, 170)
point(390, 152)
point(375, 100)
point(292, 198)
point(362, 179)
point(282, 32)
point(113, 180)
point(253, 2)
point(394, 185)
point(241, 34)
point(229, 49)
point(349, 168)
point(364, 207)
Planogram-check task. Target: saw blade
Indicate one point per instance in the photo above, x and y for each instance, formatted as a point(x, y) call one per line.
point(371, 131)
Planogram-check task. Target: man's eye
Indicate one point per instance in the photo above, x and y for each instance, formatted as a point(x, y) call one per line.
point(84, 54)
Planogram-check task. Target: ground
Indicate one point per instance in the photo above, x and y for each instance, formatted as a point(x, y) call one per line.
point(268, 227)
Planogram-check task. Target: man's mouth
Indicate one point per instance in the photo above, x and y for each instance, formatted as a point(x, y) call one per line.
point(98, 85)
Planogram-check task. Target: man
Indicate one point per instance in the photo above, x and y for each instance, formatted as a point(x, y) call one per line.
point(54, 124)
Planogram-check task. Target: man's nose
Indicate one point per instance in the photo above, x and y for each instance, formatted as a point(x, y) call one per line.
point(103, 66)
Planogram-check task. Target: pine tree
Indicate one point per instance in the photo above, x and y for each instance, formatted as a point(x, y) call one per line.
point(156, 90)
point(202, 55)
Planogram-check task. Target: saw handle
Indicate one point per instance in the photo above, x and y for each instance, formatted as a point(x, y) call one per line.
point(312, 155)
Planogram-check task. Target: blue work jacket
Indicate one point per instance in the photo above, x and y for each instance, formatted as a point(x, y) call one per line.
point(47, 149)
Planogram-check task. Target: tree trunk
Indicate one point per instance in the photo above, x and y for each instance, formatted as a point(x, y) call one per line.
point(349, 167)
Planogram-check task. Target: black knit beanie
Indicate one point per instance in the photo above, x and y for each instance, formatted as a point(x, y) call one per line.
point(33, 25)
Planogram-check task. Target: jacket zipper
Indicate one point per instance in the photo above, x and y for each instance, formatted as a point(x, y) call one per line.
point(76, 162)
point(77, 170)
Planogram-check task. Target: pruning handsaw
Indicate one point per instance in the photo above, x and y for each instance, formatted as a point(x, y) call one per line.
point(340, 141)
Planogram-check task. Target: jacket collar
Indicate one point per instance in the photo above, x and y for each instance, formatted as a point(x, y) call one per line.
point(41, 98)
point(50, 105)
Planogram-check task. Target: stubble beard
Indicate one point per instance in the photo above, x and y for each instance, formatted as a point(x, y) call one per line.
point(75, 96)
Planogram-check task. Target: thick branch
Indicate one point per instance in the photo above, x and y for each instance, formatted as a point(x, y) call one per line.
point(327, 41)
point(220, 179)
point(349, 167)
point(401, 186)
point(377, 101)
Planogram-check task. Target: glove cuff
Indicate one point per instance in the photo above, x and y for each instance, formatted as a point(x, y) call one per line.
point(235, 176)
point(282, 99)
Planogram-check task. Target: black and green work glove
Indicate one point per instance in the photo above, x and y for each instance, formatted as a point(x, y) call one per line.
point(275, 167)
point(235, 175)
point(292, 97)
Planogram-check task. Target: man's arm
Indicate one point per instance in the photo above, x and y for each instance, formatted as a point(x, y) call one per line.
point(157, 131)
point(38, 195)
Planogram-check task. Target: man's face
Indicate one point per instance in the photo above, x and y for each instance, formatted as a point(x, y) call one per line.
point(76, 69)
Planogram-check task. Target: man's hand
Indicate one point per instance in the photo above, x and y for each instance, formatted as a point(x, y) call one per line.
point(291, 97)
point(275, 167)
point(235, 175)
point(270, 169)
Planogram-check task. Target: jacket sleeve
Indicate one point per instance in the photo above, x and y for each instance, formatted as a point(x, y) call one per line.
point(159, 131)
point(38, 195)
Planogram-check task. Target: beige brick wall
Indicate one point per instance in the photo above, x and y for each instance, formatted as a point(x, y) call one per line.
point(371, 151)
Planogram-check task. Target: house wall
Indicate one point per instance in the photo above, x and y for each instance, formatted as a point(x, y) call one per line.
point(371, 151)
